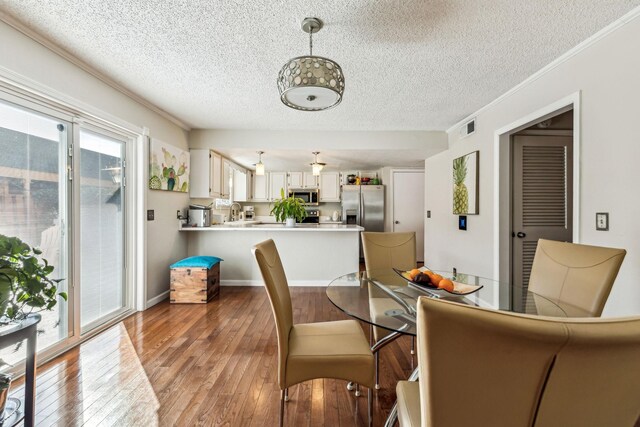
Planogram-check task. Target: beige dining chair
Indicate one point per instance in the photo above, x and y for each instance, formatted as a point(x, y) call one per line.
point(306, 351)
point(480, 367)
point(577, 277)
point(386, 251)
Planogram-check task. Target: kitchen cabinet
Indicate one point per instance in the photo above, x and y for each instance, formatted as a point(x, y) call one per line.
point(295, 180)
point(215, 178)
point(260, 184)
point(329, 187)
point(302, 180)
point(205, 177)
point(277, 182)
point(310, 180)
point(240, 186)
point(226, 179)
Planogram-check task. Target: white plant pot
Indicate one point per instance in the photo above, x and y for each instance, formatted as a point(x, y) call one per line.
point(290, 222)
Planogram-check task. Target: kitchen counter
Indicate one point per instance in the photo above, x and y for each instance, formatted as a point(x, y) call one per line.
point(279, 227)
point(312, 254)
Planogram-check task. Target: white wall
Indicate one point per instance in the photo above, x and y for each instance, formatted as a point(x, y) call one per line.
point(606, 73)
point(24, 58)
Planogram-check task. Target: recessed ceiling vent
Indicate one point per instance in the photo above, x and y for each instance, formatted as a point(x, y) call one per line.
point(468, 128)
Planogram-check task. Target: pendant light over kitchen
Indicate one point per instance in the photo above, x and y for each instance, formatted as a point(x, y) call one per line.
point(311, 83)
point(316, 167)
point(259, 166)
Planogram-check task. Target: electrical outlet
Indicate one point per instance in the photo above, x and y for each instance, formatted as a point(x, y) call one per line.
point(150, 215)
point(179, 214)
point(602, 221)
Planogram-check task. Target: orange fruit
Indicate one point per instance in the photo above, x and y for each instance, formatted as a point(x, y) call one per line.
point(413, 273)
point(446, 284)
point(435, 279)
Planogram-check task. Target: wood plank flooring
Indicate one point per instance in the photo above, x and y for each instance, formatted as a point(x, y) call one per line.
point(212, 364)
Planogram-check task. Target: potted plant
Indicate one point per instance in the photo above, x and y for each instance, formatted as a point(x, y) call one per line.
point(289, 209)
point(25, 287)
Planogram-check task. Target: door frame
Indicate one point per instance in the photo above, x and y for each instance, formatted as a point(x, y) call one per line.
point(502, 174)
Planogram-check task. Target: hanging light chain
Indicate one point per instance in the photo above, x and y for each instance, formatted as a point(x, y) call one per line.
point(311, 42)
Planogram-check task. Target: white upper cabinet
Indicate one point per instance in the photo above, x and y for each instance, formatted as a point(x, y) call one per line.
point(215, 178)
point(302, 180)
point(206, 174)
point(227, 173)
point(240, 186)
point(277, 182)
point(310, 180)
point(295, 180)
point(330, 187)
point(199, 174)
point(260, 187)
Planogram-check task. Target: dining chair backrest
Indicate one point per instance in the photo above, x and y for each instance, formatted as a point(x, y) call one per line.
point(579, 276)
point(486, 367)
point(389, 250)
point(275, 282)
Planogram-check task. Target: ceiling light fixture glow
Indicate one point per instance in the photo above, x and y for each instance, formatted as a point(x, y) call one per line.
point(259, 166)
point(311, 83)
point(316, 167)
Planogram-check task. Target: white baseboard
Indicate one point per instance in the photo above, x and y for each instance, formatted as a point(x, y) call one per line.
point(261, 283)
point(155, 300)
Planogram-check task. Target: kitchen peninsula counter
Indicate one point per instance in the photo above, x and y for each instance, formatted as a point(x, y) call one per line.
point(312, 254)
point(279, 227)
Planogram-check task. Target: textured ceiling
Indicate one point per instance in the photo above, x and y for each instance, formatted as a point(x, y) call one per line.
point(409, 65)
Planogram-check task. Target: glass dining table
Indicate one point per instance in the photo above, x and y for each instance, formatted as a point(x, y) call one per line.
point(385, 299)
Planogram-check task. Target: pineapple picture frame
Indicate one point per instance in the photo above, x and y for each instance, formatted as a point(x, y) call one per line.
point(465, 184)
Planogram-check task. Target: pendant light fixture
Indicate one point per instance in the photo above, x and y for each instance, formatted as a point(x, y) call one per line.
point(311, 83)
point(259, 166)
point(316, 167)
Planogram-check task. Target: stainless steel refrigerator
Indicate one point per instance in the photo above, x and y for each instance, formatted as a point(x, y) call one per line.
point(363, 205)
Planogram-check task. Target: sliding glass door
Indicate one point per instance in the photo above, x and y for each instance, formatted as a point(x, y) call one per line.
point(34, 195)
point(102, 228)
point(62, 190)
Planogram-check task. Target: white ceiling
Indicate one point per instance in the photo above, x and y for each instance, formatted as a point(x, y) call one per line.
point(409, 65)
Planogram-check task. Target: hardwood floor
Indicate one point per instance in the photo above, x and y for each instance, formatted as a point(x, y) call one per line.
point(212, 364)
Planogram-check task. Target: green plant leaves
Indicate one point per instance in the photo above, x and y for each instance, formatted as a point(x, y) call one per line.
point(24, 283)
point(288, 207)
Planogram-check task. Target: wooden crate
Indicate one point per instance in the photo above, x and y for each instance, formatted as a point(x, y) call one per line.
point(194, 285)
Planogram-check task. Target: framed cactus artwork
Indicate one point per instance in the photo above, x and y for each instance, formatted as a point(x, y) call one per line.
point(465, 184)
point(168, 167)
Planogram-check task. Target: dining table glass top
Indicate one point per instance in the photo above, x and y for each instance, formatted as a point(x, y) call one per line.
point(385, 299)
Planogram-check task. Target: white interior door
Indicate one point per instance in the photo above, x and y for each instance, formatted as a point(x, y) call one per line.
point(408, 205)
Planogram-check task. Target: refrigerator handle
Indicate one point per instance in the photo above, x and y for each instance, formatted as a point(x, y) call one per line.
point(362, 209)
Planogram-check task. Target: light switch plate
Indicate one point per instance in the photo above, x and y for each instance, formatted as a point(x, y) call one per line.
point(150, 215)
point(602, 221)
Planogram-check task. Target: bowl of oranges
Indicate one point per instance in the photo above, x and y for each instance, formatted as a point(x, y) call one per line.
point(434, 281)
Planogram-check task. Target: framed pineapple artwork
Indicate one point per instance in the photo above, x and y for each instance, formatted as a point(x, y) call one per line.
point(465, 184)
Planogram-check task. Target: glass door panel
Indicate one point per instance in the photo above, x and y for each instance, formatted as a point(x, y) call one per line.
point(34, 201)
point(102, 229)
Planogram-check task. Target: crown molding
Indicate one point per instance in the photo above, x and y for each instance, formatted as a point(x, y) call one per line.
point(39, 38)
point(625, 19)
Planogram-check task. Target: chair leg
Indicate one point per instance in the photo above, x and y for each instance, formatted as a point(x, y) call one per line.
point(286, 394)
point(376, 356)
point(282, 392)
point(357, 390)
point(370, 406)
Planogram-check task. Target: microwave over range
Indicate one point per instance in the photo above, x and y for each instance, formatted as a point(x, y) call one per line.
point(311, 197)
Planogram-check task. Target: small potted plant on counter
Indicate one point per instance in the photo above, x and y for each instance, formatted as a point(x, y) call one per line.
point(25, 289)
point(288, 210)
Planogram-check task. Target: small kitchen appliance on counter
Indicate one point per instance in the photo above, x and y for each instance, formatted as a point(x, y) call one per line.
point(199, 216)
point(249, 213)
